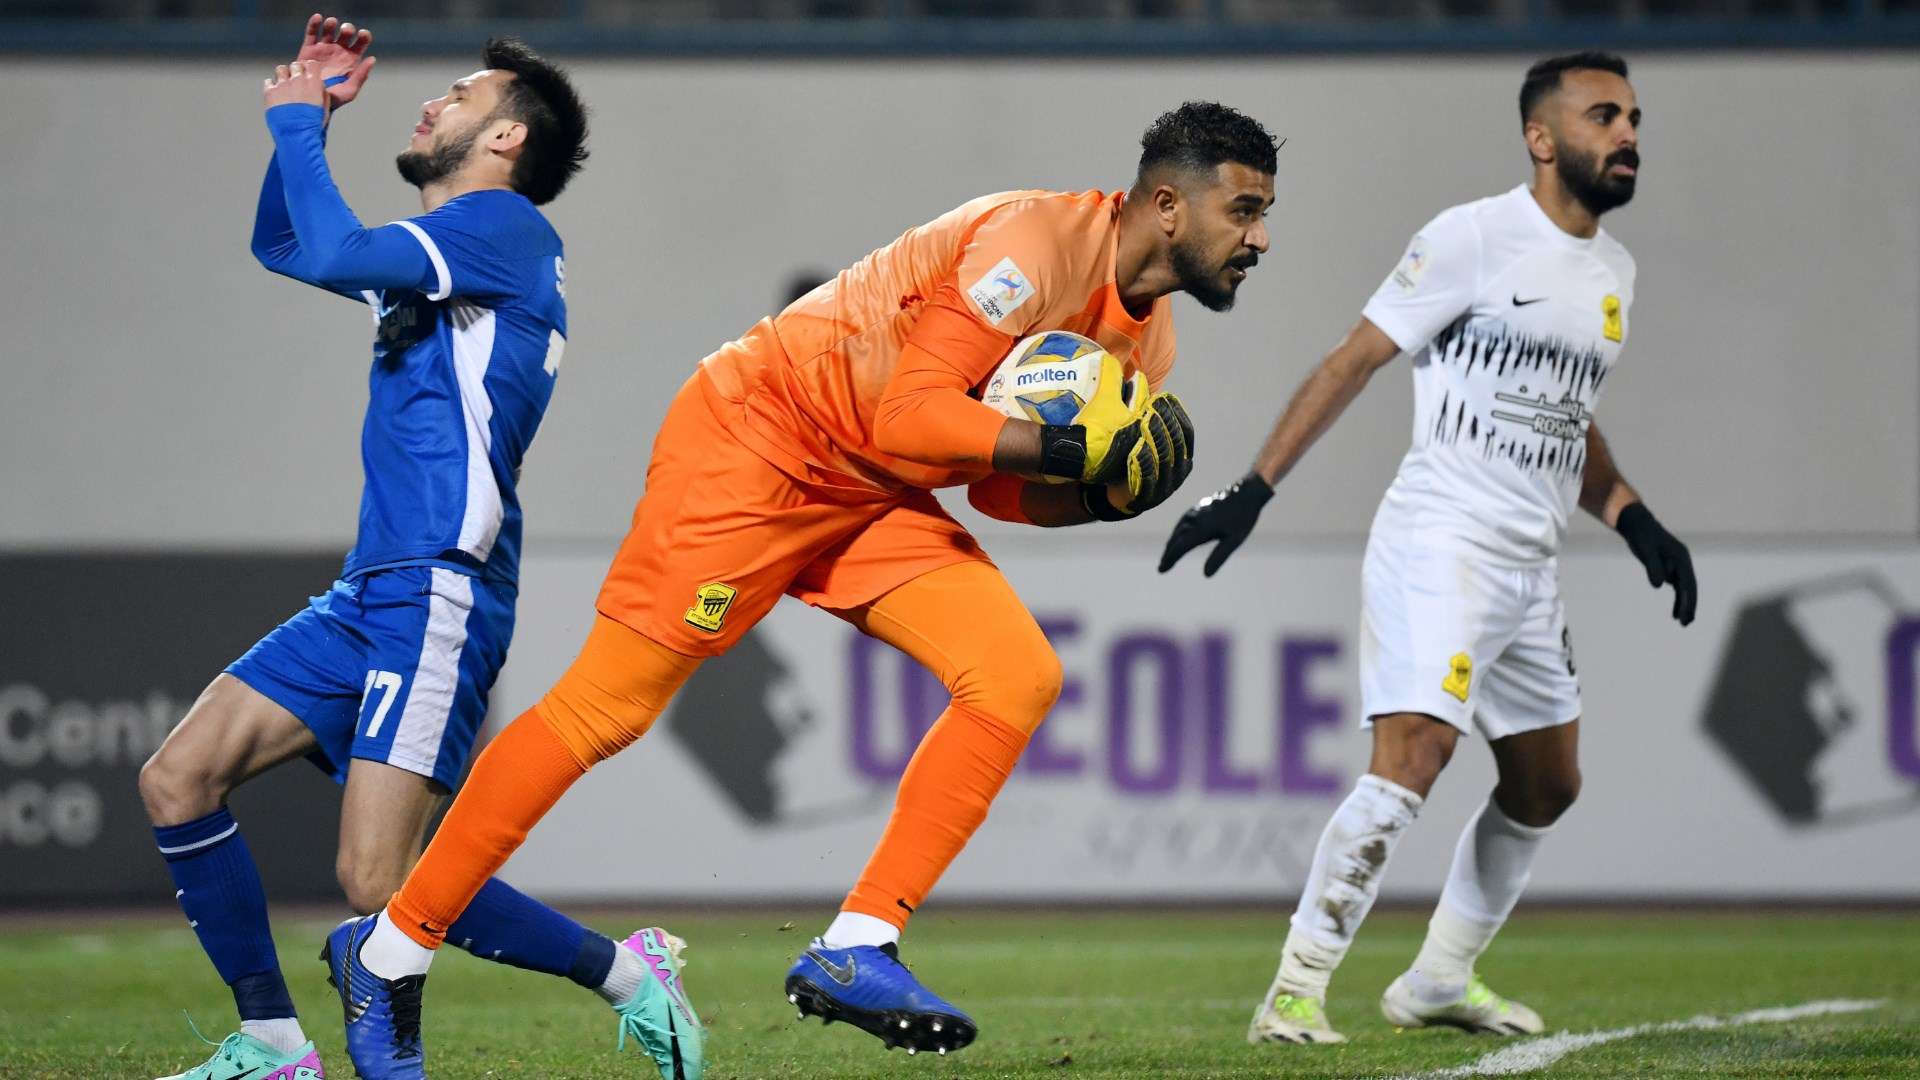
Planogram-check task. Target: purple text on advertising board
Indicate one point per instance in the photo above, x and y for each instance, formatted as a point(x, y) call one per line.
point(1043, 757)
point(1167, 722)
point(1301, 713)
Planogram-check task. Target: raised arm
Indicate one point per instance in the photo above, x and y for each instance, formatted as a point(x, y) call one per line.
point(1228, 516)
point(274, 242)
point(336, 250)
point(340, 51)
point(1606, 495)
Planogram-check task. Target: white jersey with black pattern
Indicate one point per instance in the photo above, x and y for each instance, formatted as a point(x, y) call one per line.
point(1513, 325)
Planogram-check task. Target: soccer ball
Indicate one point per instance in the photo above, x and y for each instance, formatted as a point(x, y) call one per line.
point(1047, 378)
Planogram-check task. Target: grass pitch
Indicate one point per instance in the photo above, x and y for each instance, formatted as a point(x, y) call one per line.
point(1056, 994)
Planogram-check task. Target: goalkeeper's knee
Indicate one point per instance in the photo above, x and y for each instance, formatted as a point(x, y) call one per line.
point(1016, 686)
point(614, 690)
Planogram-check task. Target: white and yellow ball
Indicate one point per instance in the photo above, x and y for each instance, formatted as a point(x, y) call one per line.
point(1047, 378)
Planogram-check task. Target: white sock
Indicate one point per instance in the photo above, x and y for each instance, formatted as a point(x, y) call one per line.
point(624, 977)
point(850, 928)
point(391, 954)
point(1343, 882)
point(1490, 869)
point(283, 1034)
point(1306, 966)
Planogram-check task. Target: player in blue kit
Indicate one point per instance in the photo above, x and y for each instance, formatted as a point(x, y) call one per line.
point(383, 679)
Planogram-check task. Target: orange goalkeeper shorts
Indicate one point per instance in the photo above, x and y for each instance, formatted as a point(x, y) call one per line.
point(720, 535)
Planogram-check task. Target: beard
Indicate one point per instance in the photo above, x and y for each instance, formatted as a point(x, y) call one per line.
point(423, 167)
point(1201, 279)
point(1587, 178)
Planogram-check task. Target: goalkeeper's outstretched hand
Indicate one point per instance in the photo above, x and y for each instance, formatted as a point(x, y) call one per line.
point(1226, 516)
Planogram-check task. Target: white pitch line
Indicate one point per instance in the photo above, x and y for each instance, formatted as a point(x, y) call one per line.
point(1538, 1053)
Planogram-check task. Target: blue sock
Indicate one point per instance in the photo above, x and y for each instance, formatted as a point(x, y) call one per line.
point(506, 925)
point(219, 889)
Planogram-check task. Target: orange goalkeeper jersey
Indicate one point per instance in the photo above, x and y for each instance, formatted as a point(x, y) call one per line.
point(871, 381)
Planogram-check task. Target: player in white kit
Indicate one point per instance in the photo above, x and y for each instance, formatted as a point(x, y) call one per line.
point(1513, 309)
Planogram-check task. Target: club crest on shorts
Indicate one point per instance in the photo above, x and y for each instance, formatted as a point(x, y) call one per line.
point(710, 605)
point(1459, 678)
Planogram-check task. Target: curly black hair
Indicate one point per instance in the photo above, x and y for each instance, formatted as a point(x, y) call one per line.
point(543, 98)
point(1543, 78)
point(1200, 135)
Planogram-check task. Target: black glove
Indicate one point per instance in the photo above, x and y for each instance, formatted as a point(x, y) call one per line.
point(1227, 516)
point(1665, 557)
point(1163, 458)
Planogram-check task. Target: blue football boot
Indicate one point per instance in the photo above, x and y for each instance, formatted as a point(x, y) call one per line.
point(383, 1015)
point(871, 989)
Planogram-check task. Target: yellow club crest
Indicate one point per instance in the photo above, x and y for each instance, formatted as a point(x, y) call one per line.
point(1459, 678)
point(710, 605)
point(1612, 326)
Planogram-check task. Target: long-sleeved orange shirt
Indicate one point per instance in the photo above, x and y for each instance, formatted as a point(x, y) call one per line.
point(871, 382)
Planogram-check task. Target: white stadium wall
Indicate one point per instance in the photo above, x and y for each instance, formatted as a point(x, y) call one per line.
point(165, 393)
point(163, 389)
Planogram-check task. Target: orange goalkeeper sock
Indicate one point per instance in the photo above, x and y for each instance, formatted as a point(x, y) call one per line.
point(610, 696)
point(944, 794)
point(515, 781)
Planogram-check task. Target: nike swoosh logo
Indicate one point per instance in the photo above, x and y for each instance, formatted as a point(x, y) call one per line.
point(1517, 302)
point(841, 975)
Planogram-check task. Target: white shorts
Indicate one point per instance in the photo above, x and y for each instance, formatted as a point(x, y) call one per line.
point(1472, 643)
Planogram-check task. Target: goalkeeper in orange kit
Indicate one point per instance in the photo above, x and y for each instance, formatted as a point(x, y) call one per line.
point(800, 460)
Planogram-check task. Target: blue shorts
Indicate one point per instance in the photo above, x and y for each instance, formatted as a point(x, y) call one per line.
point(391, 666)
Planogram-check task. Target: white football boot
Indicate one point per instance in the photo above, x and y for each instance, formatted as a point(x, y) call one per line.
point(1284, 1017)
point(1478, 1010)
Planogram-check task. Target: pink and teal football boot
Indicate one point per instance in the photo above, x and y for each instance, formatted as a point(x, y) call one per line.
point(659, 1015)
point(243, 1057)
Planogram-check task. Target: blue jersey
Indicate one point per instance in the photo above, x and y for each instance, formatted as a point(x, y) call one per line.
point(470, 307)
point(461, 376)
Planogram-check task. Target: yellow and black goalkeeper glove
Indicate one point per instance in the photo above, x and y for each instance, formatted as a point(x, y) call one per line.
point(1122, 437)
point(1159, 463)
point(1095, 448)
point(1170, 432)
